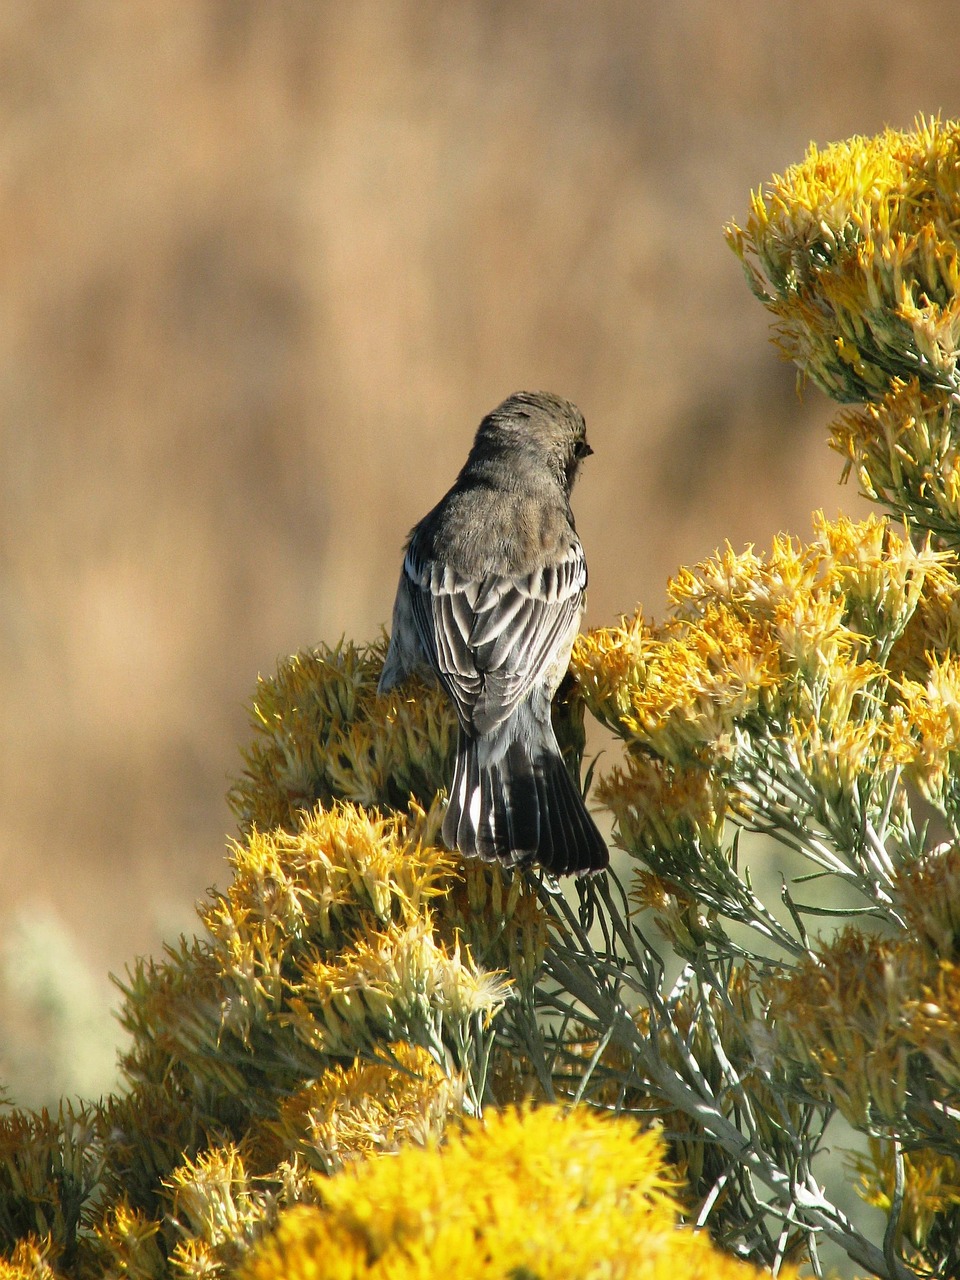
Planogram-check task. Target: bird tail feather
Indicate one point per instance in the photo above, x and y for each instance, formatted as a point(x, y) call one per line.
point(512, 800)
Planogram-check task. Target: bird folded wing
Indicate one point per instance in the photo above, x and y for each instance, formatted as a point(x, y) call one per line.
point(492, 639)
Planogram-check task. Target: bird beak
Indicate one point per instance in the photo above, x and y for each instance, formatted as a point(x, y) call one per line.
point(583, 450)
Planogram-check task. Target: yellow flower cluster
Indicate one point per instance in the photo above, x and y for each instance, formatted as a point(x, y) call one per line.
point(855, 1017)
point(928, 896)
point(854, 250)
point(903, 451)
point(524, 1193)
point(323, 733)
point(216, 1209)
point(390, 984)
point(931, 1189)
point(49, 1167)
point(334, 1012)
point(785, 651)
point(369, 1108)
point(29, 1261)
point(498, 913)
point(340, 868)
point(665, 807)
point(932, 711)
point(328, 932)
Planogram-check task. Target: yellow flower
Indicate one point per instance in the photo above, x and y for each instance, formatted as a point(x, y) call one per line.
point(340, 867)
point(498, 913)
point(881, 575)
point(31, 1260)
point(903, 450)
point(681, 688)
point(755, 585)
point(934, 1023)
point(322, 733)
point(928, 894)
point(662, 811)
point(523, 1193)
point(132, 1241)
point(844, 1019)
point(782, 649)
point(212, 1195)
point(369, 1107)
point(931, 1188)
point(932, 710)
point(392, 984)
point(855, 252)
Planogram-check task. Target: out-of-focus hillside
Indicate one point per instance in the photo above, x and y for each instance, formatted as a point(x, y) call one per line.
point(264, 267)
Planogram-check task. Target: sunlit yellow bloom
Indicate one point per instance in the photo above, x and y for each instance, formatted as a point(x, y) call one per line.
point(933, 712)
point(855, 252)
point(903, 450)
point(369, 1108)
point(31, 1259)
point(785, 648)
point(683, 687)
point(934, 1022)
point(209, 1193)
point(322, 733)
point(834, 759)
point(132, 1241)
point(880, 575)
point(661, 810)
point(526, 1193)
point(498, 913)
point(390, 985)
point(748, 581)
point(340, 865)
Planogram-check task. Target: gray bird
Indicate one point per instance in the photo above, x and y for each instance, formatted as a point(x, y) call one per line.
point(489, 602)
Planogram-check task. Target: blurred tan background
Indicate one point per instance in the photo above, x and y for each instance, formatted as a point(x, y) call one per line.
point(264, 266)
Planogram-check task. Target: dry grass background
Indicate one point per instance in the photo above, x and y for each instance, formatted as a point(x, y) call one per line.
point(263, 268)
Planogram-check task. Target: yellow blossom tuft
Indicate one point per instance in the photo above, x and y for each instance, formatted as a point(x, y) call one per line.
point(325, 946)
point(934, 1023)
point(541, 1192)
point(903, 451)
point(879, 575)
point(498, 913)
point(131, 1240)
point(323, 733)
point(855, 252)
point(932, 710)
point(679, 688)
point(928, 894)
point(217, 1209)
point(664, 813)
point(844, 1020)
point(369, 1108)
point(50, 1166)
point(31, 1260)
point(934, 628)
point(931, 1189)
point(768, 662)
point(392, 984)
point(340, 868)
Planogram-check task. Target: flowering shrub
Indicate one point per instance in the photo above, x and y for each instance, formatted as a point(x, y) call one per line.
point(378, 1060)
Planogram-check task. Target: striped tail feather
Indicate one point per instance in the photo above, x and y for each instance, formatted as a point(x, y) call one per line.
point(512, 800)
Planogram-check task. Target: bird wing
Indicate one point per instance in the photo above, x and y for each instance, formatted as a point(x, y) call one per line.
point(492, 639)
